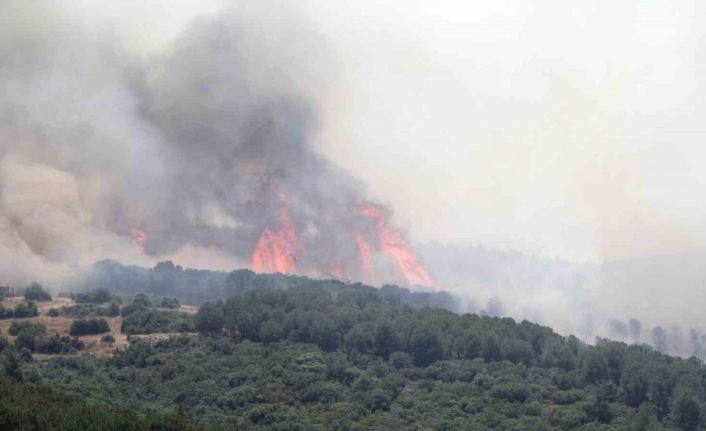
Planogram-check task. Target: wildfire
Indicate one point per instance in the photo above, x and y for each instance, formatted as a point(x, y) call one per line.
point(365, 256)
point(276, 250)
point(392, 242)
point(140, 238)
point(277, 189)
point(279, 249)
point(339, 271)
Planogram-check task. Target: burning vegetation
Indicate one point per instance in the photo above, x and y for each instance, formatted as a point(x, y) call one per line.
point(278, 248)
point(207, 147)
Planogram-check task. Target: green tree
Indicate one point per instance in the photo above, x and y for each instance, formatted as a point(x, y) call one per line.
point(662, 383)
point(595, 366)
point(386, 339)
point(89, 327)
point(635, 383)
point(425, 344)
point(35, 292)
point(686, 411)
point(210, 318)
point(11, 364)
point(323, 334)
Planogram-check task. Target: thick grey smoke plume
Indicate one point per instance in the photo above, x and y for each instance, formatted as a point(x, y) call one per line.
point(192, 152)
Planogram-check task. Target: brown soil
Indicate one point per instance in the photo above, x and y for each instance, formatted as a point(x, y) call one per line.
point(60, 325)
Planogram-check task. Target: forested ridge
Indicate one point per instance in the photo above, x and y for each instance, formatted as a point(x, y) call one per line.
point(290, 353)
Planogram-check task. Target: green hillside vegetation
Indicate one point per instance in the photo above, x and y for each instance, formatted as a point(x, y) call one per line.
point(36, 292)
point(28, 407)
point(346, 357)
point(191, 286)
point(21, 311)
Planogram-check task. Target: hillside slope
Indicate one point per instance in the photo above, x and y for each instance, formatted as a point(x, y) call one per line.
point(356, 358)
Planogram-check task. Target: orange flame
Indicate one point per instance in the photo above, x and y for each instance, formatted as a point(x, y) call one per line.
point(140, 237)
point(365, 257)
point(339, 271)
point(392, 242)
point(276, 250)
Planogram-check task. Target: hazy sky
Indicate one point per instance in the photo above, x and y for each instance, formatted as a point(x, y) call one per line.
point(563, 128)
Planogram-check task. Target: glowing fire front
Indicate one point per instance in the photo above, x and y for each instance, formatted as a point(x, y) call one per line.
point(365, 257)
point(276, 250)
point(140, 238)
point(392, 242)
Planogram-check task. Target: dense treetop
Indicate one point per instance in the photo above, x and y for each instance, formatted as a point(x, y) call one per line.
point(321, 355)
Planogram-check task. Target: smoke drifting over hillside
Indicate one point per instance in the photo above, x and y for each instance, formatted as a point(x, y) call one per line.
point(218, 142)
point(200, 152)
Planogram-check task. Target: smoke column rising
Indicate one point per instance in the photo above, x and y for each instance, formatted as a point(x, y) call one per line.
point(212, 144)
point(202, 149)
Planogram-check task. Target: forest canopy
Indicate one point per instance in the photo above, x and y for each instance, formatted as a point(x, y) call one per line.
point(293, 353)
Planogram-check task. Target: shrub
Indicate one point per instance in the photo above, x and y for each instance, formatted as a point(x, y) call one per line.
point(27, 334)
point(89, 327)
point(168, 303)
point(91, 310)
point(35, 292)
point(31, 328)
point(53, 312)
point(5, 313)
point(142, 301)
point(58, 345)
point(25, 309)
point(147, 321)
point(24, 353)
point(25, 341)
point(401, 360)
point(139, 303)
point(107, 338)
point(96, 296)
point(210, 318)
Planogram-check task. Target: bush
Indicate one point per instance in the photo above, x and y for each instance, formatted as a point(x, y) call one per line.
point(28, 407)
point(27, 334)
point(5, 313)
point(53, 312)
point(107, 338)
point(172, 303)
point(35, 292)
point(96, 296)
point(210, 318)
point(401, 360)
point(154, 321)
point(25, 353)
point(58, 345)
point(139, 303)
point(91, 310)
point(25, 309)
point(89, 327)
point(31, 328)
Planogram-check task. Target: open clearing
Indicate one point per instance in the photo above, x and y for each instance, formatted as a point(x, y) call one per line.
point(60, 325)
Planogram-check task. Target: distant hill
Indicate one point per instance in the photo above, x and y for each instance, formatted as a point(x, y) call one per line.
point(661, 295)
point(195, 287)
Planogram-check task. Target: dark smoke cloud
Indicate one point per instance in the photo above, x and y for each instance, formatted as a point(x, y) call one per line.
point(200, 146)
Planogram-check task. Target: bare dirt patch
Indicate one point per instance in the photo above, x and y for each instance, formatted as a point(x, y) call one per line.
point(60, 325)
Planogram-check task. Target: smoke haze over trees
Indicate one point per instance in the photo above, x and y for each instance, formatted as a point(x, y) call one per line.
point(220, 146)
point(204, 149)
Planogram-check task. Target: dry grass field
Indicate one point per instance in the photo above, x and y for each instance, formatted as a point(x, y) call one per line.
point(60, 325)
